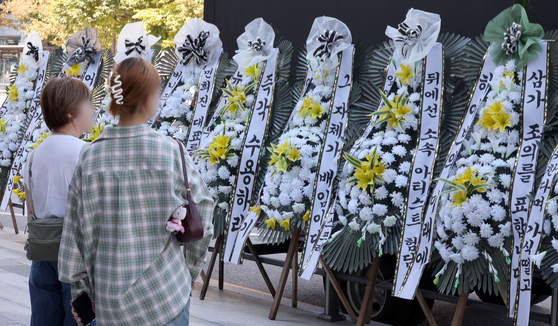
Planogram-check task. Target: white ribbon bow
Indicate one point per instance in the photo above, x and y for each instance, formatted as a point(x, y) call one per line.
point(134, 42)
point(255, 44)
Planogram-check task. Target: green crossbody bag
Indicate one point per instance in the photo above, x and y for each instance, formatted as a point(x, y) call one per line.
point(44, 233)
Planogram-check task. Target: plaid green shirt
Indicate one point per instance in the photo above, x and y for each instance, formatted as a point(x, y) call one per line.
point(115, 245)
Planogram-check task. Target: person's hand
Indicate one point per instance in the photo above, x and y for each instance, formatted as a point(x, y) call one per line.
point(76, 317)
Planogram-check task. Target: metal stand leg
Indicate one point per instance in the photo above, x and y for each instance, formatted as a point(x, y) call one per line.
point(293, 247)
point(13, 216)
point(216, 250)
point(260, 267)
point(331, 311)
point(554, 308)
point(221, 267)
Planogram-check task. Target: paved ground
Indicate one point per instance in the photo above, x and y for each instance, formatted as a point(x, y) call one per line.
point(243, 302)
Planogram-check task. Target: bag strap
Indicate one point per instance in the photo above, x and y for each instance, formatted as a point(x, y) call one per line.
point(30, 205)
point(186, 183)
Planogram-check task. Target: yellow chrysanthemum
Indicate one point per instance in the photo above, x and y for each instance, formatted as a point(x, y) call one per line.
point(306, 216)
point(369, 171)
point(494, 117)
point(294, 154)
point(270, 223)
point(12, 93)
point(20, 192)
point(21, 69)
point(405, 74)
point(252, 71)
point(16, 178)
point(96, 131)
point(3, 124)
point(316, 111)
point(501, 120)
point(286, 224)
point(74, 70)
point(459, 198)
point(42, 137)
point(256, 209)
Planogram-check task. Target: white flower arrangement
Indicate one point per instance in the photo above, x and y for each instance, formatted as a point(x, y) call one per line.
point(176, 115)
point(372, 188)
point(289, 181)
point(20, 95)
point(473, 220)
point(219, 156)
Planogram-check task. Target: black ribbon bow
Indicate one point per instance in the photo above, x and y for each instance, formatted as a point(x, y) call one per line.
point(408, 36)
point(33, 51)
point(511, 37)
point(194, 47)
point(327, 39)
point(257, 45)
point(83, 52)
point(131, 46)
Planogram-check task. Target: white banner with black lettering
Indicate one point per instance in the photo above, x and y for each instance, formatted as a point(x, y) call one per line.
point(423, 164)
point(254, 139)
point(174, 80)
point(37, 116)
point(235, 79)
point(326, 232)
point(535, 81)
point(205, 93)
point(329, 156)
point(423, 252)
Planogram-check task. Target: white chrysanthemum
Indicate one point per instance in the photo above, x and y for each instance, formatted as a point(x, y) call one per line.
point(471, 238)
point(404, 138)
point(397, 199)
point(373, 228)
point(380, 193)
point(225, 189)
point(469, 253)
point(224, 172)
point(496, 240)
point(498, 213)
point(390, 221)
point(365, 199)
point(366, 213)
point(399, 151)
point(401, 181)
point(405, 167)
point(505, 229)
point(505, 179)
point(353, 206)
point(354, 225)
point(458, 243)
point(389, 175)
point(485, 230)
point(380, 209)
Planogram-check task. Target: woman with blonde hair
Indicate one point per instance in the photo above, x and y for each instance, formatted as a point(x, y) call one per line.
point(127, 184)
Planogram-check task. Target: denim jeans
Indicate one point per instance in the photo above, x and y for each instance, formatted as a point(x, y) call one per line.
point(183, 319)
point(50, 298)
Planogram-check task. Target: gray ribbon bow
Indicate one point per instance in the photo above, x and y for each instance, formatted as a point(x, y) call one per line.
point(327, 39)
point(511, 37)
point(33, 51)
point(131, 46)
point(256, 46)
point(84, 52)
point(194, 47)
point(408, 36)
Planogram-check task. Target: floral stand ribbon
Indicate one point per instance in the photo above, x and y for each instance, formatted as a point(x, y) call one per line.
point(423, 252)
point(24, 93)
point(422, 165)
point(249, 161)
point(199, 49)
point(230, 150)
point(330, 74)
point(329, 157)
point(34, 63)
point(527, 228)
point(86, 70)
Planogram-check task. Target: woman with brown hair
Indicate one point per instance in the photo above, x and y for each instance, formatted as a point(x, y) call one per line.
point(67, 112)
point(115, 245)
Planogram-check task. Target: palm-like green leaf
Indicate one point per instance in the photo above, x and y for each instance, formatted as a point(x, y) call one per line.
point(166, 62)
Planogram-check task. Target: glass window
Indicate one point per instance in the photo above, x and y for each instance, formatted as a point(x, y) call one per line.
point(9, 62)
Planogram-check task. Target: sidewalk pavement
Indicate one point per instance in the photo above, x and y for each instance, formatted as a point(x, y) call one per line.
point(236, 305)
